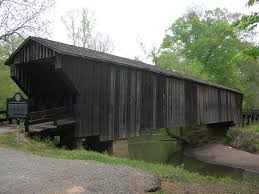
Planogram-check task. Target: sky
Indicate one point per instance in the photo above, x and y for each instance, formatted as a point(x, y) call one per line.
point(129, 22)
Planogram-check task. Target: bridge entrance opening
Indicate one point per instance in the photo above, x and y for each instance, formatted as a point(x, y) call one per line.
point(51, 99)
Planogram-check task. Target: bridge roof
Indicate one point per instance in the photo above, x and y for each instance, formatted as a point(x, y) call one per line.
point(72, 50)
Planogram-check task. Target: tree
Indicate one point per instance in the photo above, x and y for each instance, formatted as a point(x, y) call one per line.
point(102, 43)
point(7, 86)
point(249, 23)
point(151, 53)
point(208, 39)
point(206, 44)
point(23, 17)
point(80, 26)
point(18, 19)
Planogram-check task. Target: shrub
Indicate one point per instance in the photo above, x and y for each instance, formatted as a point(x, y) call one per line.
point(232, 134)
point(241, 139)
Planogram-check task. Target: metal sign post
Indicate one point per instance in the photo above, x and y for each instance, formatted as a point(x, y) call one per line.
point(18, 131)
point(17, 108)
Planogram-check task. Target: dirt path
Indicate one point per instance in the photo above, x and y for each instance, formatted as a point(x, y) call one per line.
point(227, 156)
point(7, 128)
point(26, 173)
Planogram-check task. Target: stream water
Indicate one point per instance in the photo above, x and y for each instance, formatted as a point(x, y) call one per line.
point(159, 148)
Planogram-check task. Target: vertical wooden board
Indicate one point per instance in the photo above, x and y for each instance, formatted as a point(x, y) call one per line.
point(213, 95)
point(168, 102)
point(180, 88)
point(138, 103)
point(195, 104)
point(96, 94)
point(129, 129)
point(202, 104)
point(176, 112)
point(190, 100)
point(198, 104)
point(133, 96)
point(181, 103)
point(205, 105)
point(160, 101)
point(112, 102)
point(219, 107)
point(201, 95)
point(146, 105)
point(143, 101)
point(209, 104)
point(154, 98)
point(124, 75)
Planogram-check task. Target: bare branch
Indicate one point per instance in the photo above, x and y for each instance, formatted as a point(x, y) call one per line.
point(23, 17)
point(80, 26)
point(151, 53)
point(102, 43)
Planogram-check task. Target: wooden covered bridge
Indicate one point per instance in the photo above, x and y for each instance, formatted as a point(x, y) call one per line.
point(111, 98)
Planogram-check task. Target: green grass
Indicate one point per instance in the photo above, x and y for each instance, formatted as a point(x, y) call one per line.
point(254, 127)
point(7, 86)
point(48, 148)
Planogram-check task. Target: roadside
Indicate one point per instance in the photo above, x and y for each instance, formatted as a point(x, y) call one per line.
point(173, 178)
point(26, 173)
point(7, 128)
point(244, 138)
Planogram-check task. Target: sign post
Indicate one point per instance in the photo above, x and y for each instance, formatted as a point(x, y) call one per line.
point(18, 131)
point(17, 108)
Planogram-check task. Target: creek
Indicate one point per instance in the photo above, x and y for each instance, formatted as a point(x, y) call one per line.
point(159, 148)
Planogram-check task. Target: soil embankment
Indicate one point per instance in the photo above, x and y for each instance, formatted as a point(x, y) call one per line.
point(226, 156)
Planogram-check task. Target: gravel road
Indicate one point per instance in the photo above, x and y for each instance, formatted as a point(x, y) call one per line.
point(8, 128)
point(26, 173)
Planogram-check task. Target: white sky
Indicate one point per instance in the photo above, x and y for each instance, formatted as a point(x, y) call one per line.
point(130, 21)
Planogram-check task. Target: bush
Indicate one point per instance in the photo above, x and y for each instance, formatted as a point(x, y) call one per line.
point(7, 86)
point(242, 139)
point(232, 134)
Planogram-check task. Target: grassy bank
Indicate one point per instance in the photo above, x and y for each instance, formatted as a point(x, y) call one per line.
point(48, 148)
point(7, 86)
point(244, 138)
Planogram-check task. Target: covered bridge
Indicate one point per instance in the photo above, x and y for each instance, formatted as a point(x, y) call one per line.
point(112, 97)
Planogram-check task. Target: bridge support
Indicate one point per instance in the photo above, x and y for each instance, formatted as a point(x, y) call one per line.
point(67, 138)
point(119, 148)
point(219, 129)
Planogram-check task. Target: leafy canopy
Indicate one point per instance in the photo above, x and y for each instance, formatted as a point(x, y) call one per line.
point(207, 45)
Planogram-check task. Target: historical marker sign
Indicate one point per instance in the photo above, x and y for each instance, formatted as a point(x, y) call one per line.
point(17, 107)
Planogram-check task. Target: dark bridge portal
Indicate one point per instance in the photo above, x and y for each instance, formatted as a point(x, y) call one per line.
point(113, 97)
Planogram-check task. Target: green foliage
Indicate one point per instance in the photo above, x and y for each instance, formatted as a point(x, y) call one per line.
point(243, 138)
point(208, 46)
point(232, 134)
point(249, 22)
point(7, 85)
point(8, 47)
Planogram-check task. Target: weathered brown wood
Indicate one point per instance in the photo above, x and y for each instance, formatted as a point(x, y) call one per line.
point(116, 101)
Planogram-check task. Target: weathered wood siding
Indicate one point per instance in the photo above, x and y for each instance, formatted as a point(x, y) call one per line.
point(33, 70)
point(118, 102)
point(114, 100)
point(43, 85)
point(32, 51)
